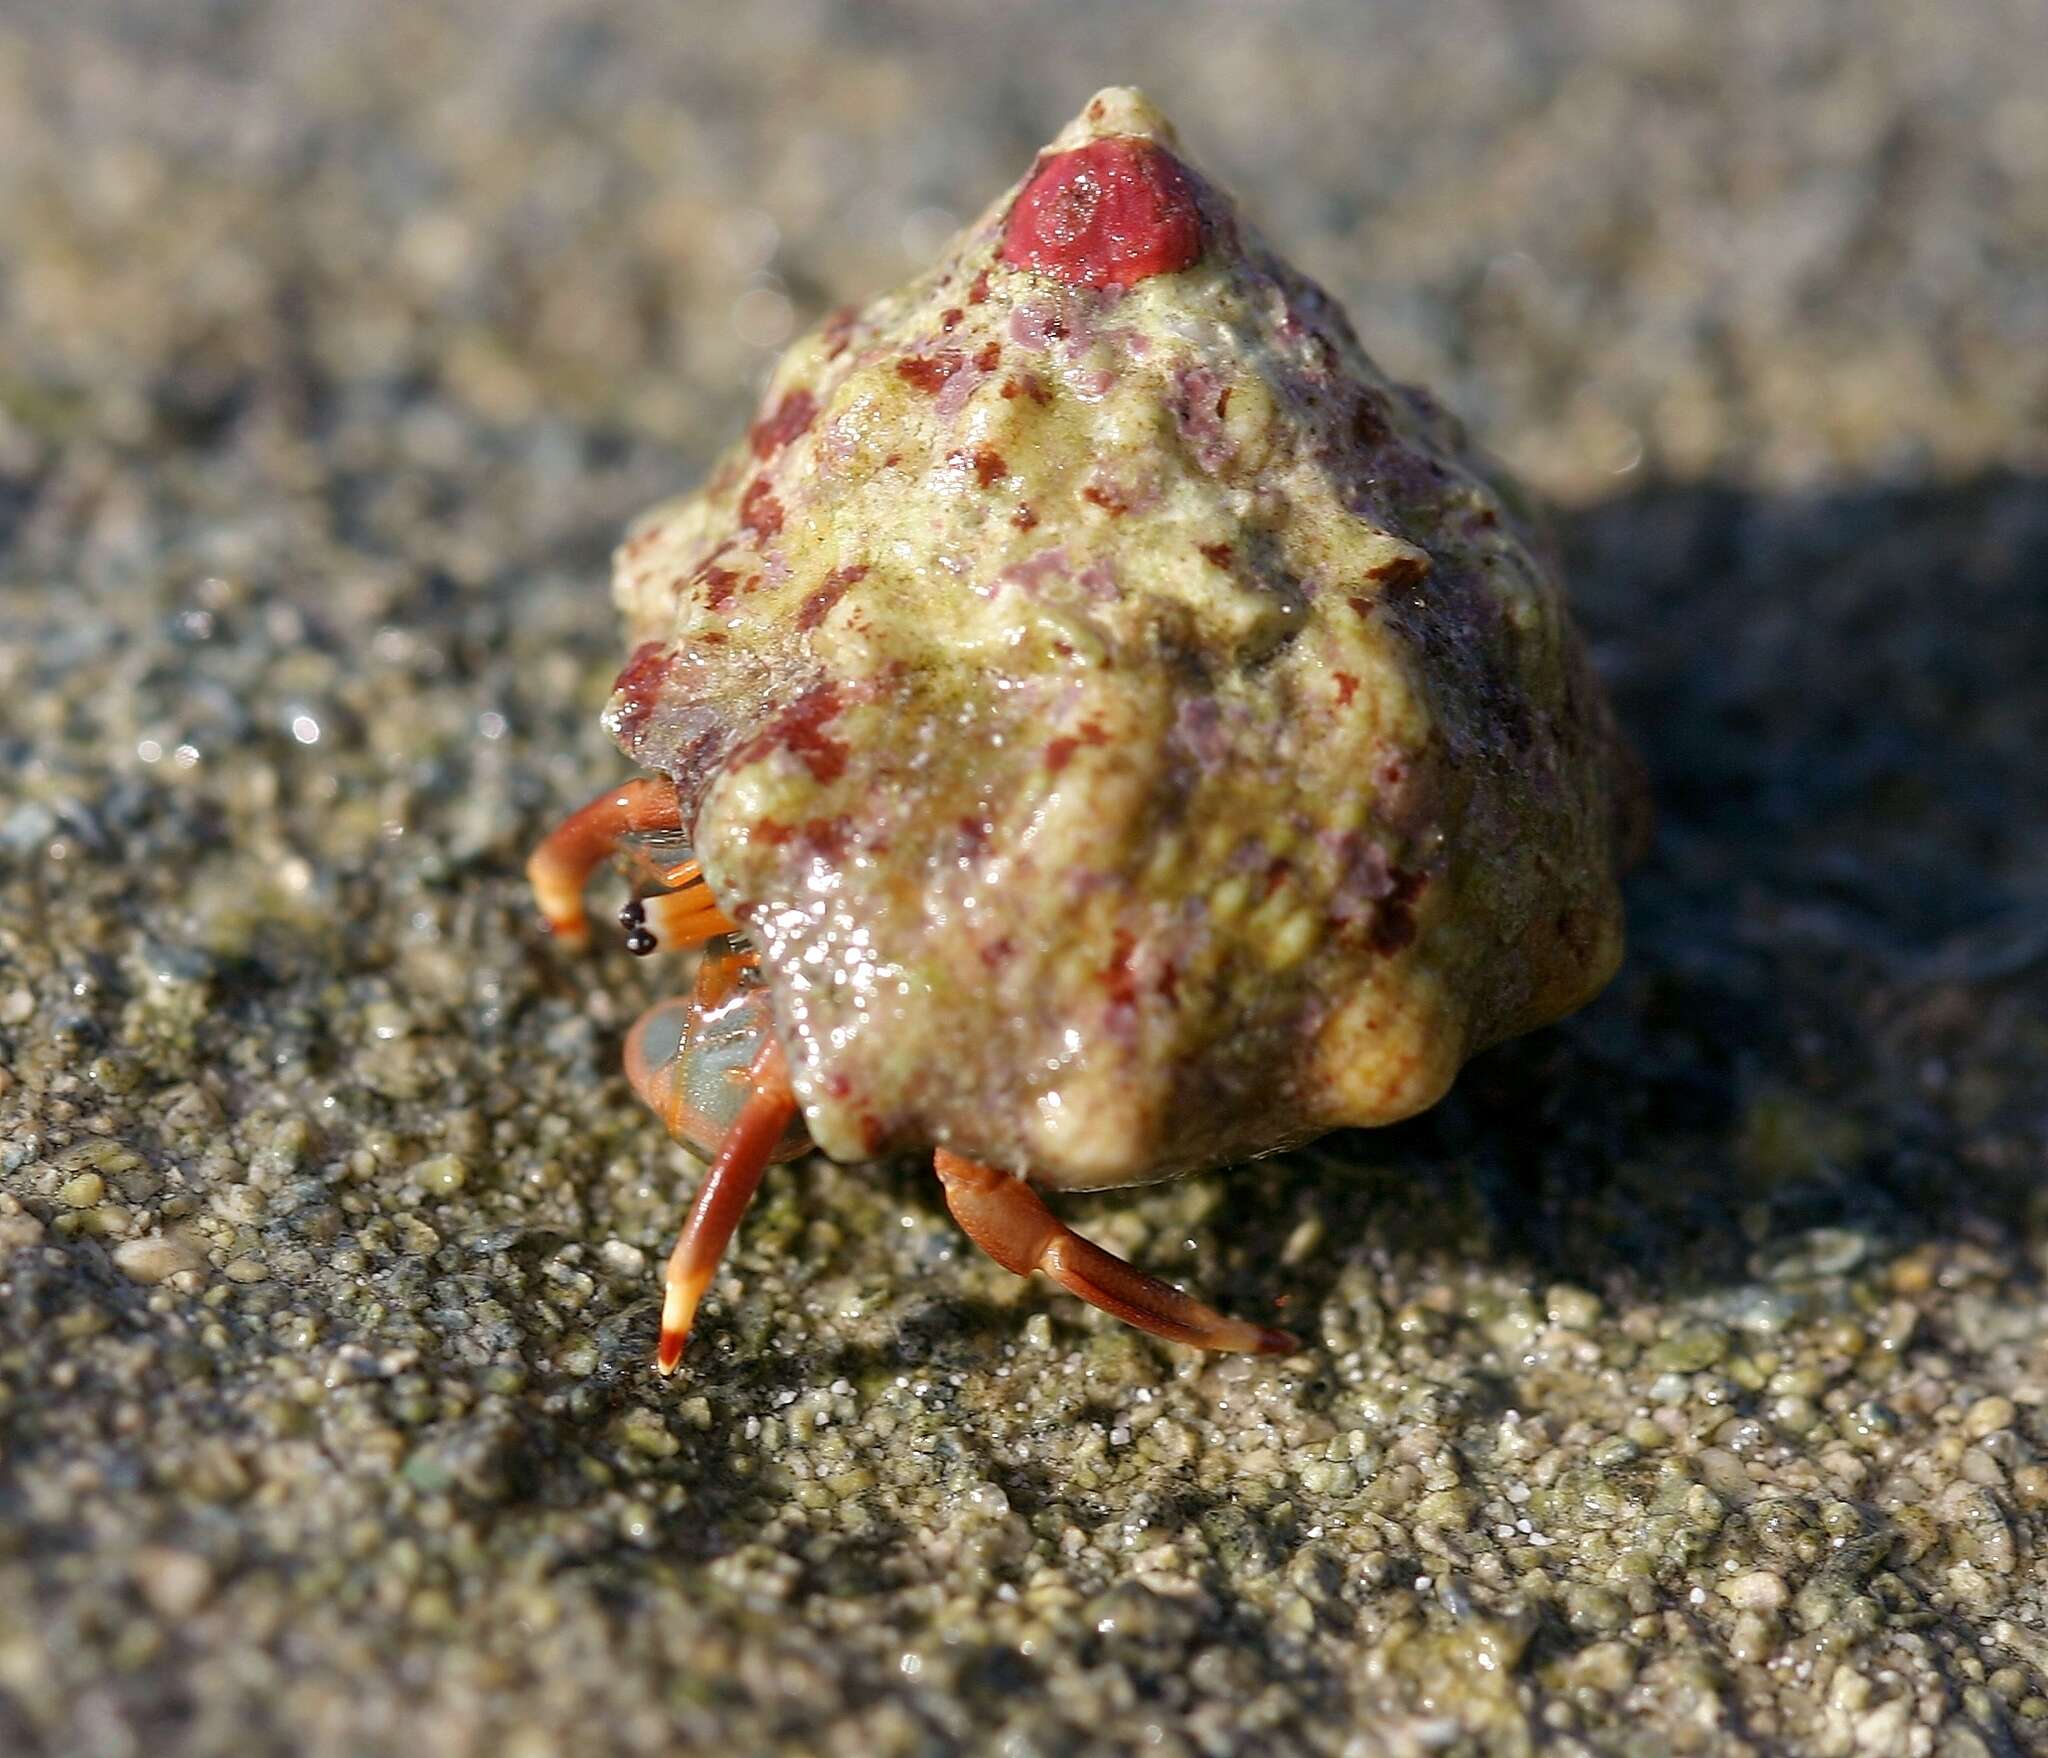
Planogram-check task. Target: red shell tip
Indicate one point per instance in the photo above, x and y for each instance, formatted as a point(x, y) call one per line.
point(1108, 214)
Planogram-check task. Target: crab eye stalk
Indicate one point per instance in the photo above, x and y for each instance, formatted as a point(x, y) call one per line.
point(687, 916)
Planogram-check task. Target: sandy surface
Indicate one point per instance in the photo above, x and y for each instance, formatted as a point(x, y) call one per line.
point(1681, 1385)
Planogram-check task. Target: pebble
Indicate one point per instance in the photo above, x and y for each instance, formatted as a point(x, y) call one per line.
point(18, 1231)
point(443, 1175)
point(1761, 1590)
point(157, 1257)
point(1988, 1415)
point(82, 1192)
point(628, 1261)
point(176, 1583)
point(1570, 1308)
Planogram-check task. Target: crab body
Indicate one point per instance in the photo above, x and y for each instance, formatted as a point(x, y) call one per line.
point(1131, 733)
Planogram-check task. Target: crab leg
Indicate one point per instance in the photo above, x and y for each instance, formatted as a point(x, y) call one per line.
point(583, 841)
point(1004, 1216)
point(722, 1198)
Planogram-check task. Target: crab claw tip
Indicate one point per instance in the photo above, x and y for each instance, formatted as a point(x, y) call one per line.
point(678, 1311)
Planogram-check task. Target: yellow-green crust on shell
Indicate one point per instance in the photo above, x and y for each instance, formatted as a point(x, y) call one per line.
point(1136, 733)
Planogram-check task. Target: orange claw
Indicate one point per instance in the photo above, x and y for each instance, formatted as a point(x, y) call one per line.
point(722, 1198)
point(560, 868)
point(1004, 1216)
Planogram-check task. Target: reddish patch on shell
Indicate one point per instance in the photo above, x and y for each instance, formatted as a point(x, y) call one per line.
point(1061, 751)
point(824, 836)
point(791, 417)
point(988, 465)
point(719, 586)
point(799, 729)
point(949, 319)
point(1218, 555)
point(760, 511)
point(838, 330)
point(1108, 497)
point(1393, 922)
point(1038, 323)
point(990, 352)
point(710, 560)
point(1121, 979)
point(1347, 687)
point(1403, 570)
point(1099, 581)
point(818, 605)
point(1369, 424)
point(978, 293)
point(639, 683)
point(1024, 518)
point(1108, 214)
point(1199, 403)
point(929, 372)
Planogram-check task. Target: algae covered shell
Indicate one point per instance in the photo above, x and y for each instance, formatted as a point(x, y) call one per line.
point(1135, 732)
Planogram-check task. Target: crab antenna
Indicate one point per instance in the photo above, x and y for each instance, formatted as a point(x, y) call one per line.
point(1004, 1216)
point(560, 868)
point(722, 1198)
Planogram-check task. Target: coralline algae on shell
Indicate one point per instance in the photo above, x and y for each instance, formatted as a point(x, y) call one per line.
point(1136, 732)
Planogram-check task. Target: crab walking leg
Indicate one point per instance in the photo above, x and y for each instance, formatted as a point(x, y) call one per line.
point(1004, 1216)
point(560, 868)
point(722, 1198)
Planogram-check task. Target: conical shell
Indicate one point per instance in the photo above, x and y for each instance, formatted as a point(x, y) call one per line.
point(1136, 732)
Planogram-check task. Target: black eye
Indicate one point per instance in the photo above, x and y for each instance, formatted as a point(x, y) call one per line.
point(640, 939)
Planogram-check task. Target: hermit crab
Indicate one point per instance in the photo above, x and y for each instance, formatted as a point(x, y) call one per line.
point(1096, 726)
